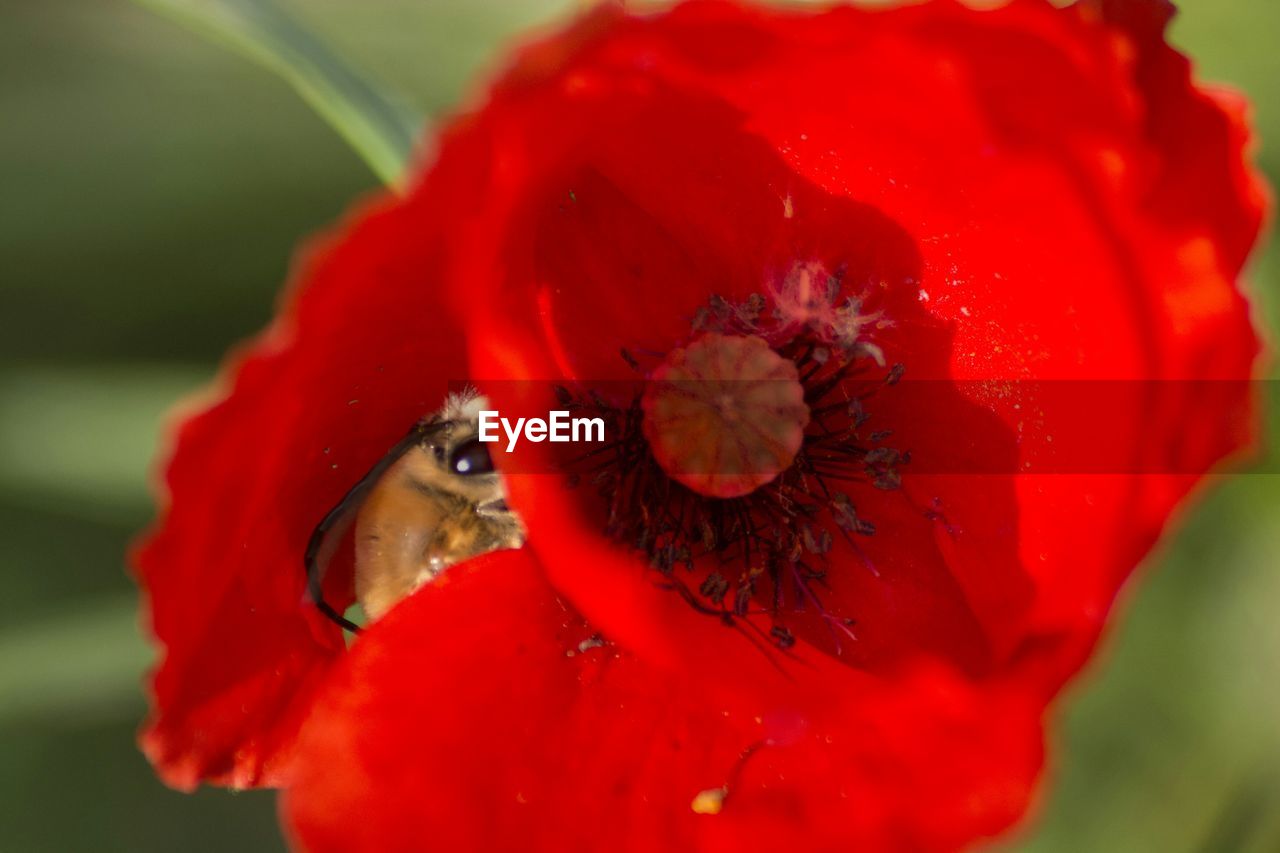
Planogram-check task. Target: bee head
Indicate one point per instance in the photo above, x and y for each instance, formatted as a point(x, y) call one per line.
point(451, 436)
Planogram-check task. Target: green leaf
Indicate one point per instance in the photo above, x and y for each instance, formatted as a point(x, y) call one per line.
point(382, 129)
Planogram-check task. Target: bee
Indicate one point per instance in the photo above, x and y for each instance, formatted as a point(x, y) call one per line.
point(434, 500)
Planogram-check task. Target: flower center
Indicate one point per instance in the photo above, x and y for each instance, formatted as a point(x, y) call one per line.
point(725, 414)
point(740, 449)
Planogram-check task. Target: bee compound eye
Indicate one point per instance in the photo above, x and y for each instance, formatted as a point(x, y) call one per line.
point(469, 458)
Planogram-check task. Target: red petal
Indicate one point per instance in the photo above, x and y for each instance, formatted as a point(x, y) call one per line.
point(994, 178)
point(312, 404)
point(471, 718)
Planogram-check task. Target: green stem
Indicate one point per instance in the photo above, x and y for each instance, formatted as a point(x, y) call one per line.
point(382, 131)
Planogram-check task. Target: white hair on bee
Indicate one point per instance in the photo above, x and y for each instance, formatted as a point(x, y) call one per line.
point(462, 406)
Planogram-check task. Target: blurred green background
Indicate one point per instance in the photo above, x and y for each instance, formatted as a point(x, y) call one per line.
point(152, 188)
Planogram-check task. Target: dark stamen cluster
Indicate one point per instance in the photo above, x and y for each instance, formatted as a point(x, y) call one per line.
point(770, 545)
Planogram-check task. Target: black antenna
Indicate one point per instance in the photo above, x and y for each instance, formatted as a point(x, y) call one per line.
point(329, 532)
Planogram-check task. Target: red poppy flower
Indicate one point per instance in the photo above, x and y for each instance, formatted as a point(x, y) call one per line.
point(760, 629)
